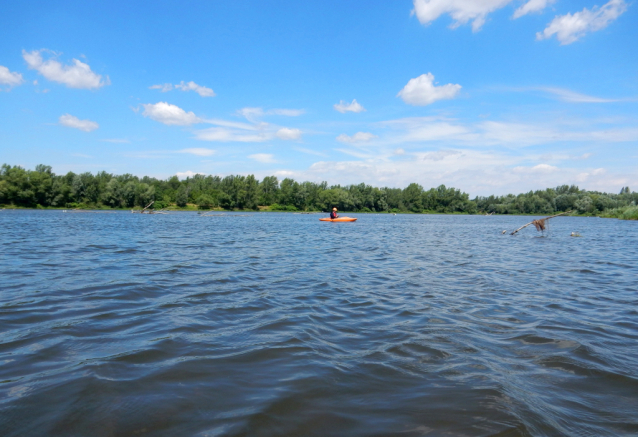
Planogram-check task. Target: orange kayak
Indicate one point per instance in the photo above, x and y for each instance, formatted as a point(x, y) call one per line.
point(339, 219)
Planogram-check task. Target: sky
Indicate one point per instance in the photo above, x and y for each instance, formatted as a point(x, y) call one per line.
point(488, 96)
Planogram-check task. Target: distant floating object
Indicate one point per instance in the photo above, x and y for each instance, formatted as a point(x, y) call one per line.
point(575, 234)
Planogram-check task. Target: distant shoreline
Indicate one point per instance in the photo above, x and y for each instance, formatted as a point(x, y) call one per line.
point(266, 210)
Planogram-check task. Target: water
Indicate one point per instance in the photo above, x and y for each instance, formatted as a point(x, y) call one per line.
point(280, 325)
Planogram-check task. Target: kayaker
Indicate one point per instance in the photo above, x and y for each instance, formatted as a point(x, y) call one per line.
point(333, 214)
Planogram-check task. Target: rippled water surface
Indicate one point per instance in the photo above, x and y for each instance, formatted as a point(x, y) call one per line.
point(272, 324)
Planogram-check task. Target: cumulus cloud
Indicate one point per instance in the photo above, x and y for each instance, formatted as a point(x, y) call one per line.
point(461, 11)
point(192, 86)
point(264, 158)
point(344, 107)
point(359, 137)
point(288, 134)
point(532, 6)
point(571, 27)
point(10, 78)
point(199, 151)
point(421, 91)
point(69, 120)
point(169, 114)
point(76, 75)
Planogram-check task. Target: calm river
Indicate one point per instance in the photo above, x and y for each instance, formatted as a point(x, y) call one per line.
point(273, 324)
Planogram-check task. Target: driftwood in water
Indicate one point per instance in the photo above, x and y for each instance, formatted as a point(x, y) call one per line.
point(540, 223)
point(147, 207)
point(142, 211)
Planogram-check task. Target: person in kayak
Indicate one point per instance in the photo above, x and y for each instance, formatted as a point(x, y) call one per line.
point(333, 214)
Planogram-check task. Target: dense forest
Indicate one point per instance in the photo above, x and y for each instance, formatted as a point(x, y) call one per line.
point(42, 188)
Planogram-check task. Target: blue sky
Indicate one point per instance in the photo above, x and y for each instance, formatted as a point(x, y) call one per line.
point(489, 96)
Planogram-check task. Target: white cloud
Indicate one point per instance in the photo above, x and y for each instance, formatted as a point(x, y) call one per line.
point(265, 158)
point(77, 75)
point(288, 134)
point(532, 6)
point(425, 129)
point(421, 91)
point(475, 172)
point(186, 174)
point(163, 87)
point(184, 86)
point(571, 27)
point(169, 114)
point(356, 153)
point(254, 114)
point(221, 134)
point(74, 122)
point(344, 107)
point(251, 114)
point(287, 112)
point(461, 11)
point(309, 151)
point(192, 86)
point(9, 78)
point(574, 97)
point(199, 151)
point(511, 134)
point(359, 137)
point(540, 168)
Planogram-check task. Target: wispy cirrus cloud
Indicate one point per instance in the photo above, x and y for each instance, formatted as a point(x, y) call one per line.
point(264, 158)
point(254, 114)
point(309, 151)
point(220, 134)
point(442, 131)
point(75, 75)
point(71, 121)
point(185, 86)
point(570, 28)
point(359, 137)
point(115, 140)
point(574, 97)
point(198, 151)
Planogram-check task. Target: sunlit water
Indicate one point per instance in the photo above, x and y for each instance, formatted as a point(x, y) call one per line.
point(280, 325)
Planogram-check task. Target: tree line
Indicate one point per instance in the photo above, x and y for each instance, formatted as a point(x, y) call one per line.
point(43, 188)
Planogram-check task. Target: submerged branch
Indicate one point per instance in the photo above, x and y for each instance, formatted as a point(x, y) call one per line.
point(539, 224)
